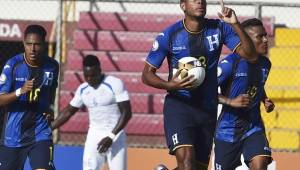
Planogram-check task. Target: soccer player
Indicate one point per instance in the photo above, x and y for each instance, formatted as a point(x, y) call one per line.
point(27, 90)
point(190, 114)
point(109, 108)
point(240, 129)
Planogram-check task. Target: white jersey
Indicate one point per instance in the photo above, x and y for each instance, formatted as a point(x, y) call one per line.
point(101, 102)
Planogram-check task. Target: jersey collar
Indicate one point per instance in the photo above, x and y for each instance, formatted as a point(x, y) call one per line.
point(192, 32)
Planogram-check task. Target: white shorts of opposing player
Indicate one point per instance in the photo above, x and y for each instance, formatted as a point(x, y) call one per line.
point(116, 156)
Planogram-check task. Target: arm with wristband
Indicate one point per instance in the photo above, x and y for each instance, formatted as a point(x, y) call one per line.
point(7, 98)
point(124, 106)
point(126, 114)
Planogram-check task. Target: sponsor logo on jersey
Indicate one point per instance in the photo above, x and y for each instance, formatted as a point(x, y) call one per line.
point(241, 74)
point(20, 79)
point(179, 48)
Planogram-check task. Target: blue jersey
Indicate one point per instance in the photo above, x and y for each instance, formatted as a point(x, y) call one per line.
point(177, 42)
point(237, 76)
point(24, 121)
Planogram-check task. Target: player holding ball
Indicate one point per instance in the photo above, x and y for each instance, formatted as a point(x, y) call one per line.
point(190, 112)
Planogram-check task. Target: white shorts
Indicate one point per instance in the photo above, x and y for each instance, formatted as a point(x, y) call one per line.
point(116, 156)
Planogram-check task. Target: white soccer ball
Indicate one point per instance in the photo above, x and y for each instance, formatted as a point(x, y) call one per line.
point(191, 66)
point(161, 167)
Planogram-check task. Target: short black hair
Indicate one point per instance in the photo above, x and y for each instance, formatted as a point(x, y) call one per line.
point(251, 23)
point(36, 29)
point(90, 60)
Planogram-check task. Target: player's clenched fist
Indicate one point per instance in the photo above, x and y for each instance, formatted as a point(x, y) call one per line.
point(27, 87)
point(104, 144)
point(269, 105)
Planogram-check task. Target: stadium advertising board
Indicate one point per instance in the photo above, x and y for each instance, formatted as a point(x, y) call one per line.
point(12, 30)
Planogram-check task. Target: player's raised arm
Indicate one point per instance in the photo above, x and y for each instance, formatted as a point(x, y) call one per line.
point(246, 48)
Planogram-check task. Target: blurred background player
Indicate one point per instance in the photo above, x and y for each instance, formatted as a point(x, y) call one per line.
point(240, 129)
point(27, 90)
point(190, 114)
point(109, 108)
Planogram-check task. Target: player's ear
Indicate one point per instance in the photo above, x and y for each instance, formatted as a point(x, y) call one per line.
point(182, 6)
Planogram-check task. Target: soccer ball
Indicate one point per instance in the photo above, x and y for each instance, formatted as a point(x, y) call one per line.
point(191, 66)
point(161, 167)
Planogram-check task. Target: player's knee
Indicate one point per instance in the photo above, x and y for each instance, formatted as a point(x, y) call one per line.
point(187, 164)
point(259, 164)
point(185, 158)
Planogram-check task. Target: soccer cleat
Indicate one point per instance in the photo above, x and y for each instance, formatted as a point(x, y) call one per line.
point(161, 167)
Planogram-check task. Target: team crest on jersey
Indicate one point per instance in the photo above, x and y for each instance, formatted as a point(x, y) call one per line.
point(155, 45)
point(2, 78)
point(213, 42)
point(48, 76)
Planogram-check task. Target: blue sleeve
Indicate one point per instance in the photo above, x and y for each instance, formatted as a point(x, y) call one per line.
point(231, 39)
point(159, 50)
point(224, 69)
point(6, 78)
